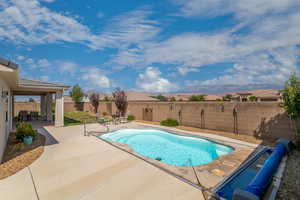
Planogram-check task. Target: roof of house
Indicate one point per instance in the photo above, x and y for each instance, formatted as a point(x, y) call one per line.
point(139, 96)
point(131, 96)
point(33, 83)
point(186, 96)
point(8, 63)
point(266, 93)
point(212, 97)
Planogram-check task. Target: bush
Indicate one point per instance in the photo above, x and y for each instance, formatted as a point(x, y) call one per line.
point(169, 122)
point(130, 118)
point(24, 130)
point(200, 97)
point(104, 114)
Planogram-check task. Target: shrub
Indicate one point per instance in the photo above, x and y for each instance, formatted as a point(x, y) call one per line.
point(104, 114)
point(253, 98)
point(173, 99)
point(130, 117)
point(24, 130)
point(200, 97)
point(169, 122)
point(160, 97)
point(227, 97)
point(107, 99)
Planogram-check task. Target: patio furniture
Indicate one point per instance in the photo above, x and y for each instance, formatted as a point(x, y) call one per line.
point(123, 120)
point(23, 116)
point(34, 115)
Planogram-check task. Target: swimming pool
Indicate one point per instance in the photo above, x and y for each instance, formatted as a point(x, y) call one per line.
point(169, 148)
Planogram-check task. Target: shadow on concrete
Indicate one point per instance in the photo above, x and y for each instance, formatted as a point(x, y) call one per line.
point(50, 140)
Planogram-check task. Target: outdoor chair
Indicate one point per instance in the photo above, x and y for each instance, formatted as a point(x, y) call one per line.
point(34, 115)
point(123, 120)
point(23, 116)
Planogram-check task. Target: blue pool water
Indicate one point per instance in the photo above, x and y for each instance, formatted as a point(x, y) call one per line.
point(169, 148)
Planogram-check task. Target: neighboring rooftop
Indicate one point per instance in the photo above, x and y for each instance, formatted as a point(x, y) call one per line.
point(139, 96)
point(270, 93)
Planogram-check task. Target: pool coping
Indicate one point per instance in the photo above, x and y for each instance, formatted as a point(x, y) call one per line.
point(168, 168)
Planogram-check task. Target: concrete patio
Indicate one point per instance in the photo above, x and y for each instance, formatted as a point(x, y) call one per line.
point(74, 166)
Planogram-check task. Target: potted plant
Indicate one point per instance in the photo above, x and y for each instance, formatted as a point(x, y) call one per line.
point(25, 133)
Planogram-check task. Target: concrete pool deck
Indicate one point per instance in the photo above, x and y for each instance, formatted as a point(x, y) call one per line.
point(74, 166)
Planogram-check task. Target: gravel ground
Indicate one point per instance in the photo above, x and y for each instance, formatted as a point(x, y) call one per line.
point(290, 184)
point(17, 156)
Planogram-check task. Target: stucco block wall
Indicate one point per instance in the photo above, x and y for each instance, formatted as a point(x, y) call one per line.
point(4, 126)
point(29, 106)
point(261, 119)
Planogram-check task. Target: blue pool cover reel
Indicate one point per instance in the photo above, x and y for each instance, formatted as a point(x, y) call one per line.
point(264, 176)
point(261, 181)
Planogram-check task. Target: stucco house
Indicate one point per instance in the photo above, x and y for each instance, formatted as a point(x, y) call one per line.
point(261, 95)
point(12, 85)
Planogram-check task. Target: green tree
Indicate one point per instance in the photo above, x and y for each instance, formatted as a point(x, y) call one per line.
point(291, 100)
point(199, 97)
point(173, 99)
point(31, 100)
point(76, 93)
point(161, 98)
point(227, 97)
point(107, 99)
point(253, 98)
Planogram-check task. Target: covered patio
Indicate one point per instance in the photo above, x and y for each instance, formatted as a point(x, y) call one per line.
point(49, 93)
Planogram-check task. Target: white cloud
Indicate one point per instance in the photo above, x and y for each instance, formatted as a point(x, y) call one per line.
point(29, 61)
point(132, 28)
point(20, 57)
point(43, 63)
point(45, 78)
point(48, 1)
point(100, 14)
point(184, 70)
point(25, 21)
point(241, 9)
point(273, 68)
point(266, 52)
point(29, 22)
point(66, 66)
point(151, 81)
point(96, 77)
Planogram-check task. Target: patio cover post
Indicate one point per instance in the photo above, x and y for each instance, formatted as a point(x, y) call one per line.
point(49, 106)
point(59, 108)
point(43, 107)
point(10, 110)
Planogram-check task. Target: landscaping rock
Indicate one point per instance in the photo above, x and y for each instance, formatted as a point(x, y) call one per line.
point(290, 183)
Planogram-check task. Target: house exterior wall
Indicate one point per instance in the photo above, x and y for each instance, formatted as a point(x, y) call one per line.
point(5, 121)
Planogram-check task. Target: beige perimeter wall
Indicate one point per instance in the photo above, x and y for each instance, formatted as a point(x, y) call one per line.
point(260, 119)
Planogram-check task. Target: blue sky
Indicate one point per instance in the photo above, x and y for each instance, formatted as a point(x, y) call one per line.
point(152, 46)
